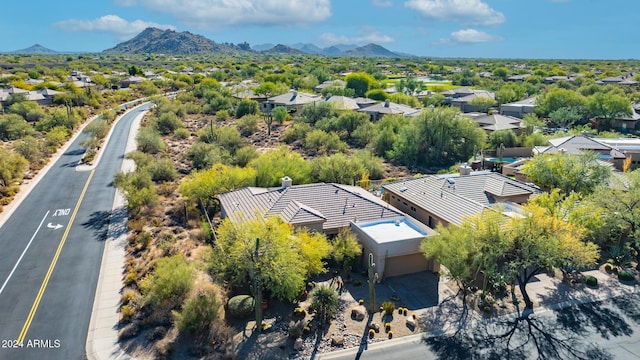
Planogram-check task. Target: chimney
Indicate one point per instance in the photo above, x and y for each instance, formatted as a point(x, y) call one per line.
point(386, 103)
point(465, 170)
point(286, 182)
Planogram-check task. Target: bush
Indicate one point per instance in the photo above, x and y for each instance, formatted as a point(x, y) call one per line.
point(247, 125)
point(162, 169)
point(199, 311)
point(171, 280)
point(247, 107)
point(388, 307)
point(149, 141)
point(372, 333)
point(127, 312)
point(390, 334)
point(591, 280)
point(625, 276)
point(181, 133)
point(387, 327)
point(240, 306)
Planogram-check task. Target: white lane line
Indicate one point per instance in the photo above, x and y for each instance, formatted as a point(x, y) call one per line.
point(24, 252)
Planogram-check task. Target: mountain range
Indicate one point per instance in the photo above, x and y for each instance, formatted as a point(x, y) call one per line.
point(170, 42)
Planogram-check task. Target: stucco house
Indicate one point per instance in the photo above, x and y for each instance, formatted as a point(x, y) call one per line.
point(519, 108)
point(388, 233)
point(293, 100)
point(494, 122)
point(448, 199)
point(379, 110)
point(579, 144)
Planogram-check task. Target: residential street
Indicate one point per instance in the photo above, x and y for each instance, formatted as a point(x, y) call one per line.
point(608, 329)
point(52, 247)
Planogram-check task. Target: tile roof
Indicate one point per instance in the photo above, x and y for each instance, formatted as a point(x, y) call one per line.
point(388, 107)
point(333, 205)
point(294, 98)
point(342, 102)
point(455, 197)
point(497, 122)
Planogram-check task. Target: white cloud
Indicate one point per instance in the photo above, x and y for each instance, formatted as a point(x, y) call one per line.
point(367, 35)
point(468, 36)
point(218, 13)
point(471, 12)
point(382, 3)
point(111, 24)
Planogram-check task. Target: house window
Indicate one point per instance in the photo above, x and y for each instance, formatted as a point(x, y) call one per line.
point(413, 208)
point(432, 222)
point(404, 203)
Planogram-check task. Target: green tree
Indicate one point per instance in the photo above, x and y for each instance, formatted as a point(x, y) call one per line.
point(350, 121)
point(314, 112)
point(206, 185)
point(579, 173)
point(501, 73)
point(14, 127)
point(482, 103)
point(564, 118)
point(324, 302)
point(506, 137)
point(273, 165)
point(12, 167)
point(149, 141)
point(360, 82)
point(286, 257)
point(345, 247)
point(336, 168)
point(169, 283)
point(437, 137)
point(558, 98)
point(377, 94)
point(510, 92)
point(608, 107)
point(321, 142)
point(247, 107)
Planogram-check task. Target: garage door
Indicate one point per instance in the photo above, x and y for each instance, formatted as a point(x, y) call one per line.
point(406, 264)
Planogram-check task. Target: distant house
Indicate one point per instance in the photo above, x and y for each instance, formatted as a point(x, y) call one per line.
point(618, 80)
point(36, 96)
point(579, 144)
point(342, 103)
point(244, 90)
point(364, 102)
point(330, 84)
point(557, 78)
point(448, 199)
point(131, 80)
point(519, 108)
point(48, 95)
point(382, 230)
point(379, 110)
point(630, 147)
point(623, 123)
point(518, 78)
point(494, 122)
point(465, 103)
point(293, 100)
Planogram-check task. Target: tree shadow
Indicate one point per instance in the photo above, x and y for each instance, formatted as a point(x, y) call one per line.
point(521, 337)
point(111, 223)
point(364, 343)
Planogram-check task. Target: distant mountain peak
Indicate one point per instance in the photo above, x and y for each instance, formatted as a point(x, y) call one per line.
point(35, 49)
point(154, 40)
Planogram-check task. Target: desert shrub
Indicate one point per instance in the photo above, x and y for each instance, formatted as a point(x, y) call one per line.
point(591, 280)
point(203, 155)
point(322, 142)
point(625, 276)
point(372, 333)
point(388, 307)
point(387, 327)
point(199, 310)
point(127, 312)
point(247, 125)
point(181, 133)
point(13, 127)
point(129, 331)
point(168, 122)
point(149, 141)
point(162, 170)
point(296, 132)
point(247, 107)
point(141, 159)
point(324, 302)
point(222, 115)
point(240, 306)
point(131, 278)
point(56, 136)
point(244, 155)
point(98, 128)
point(172, 278)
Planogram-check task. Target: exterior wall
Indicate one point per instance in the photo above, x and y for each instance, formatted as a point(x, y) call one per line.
point(416, 212)
point(515, 111)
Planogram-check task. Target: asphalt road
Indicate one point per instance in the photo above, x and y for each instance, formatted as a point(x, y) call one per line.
point(604, 330)
point(50, 250)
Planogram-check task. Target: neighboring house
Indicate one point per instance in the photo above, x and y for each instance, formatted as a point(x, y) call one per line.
point(342, 103)
point(580, 144)
point(293, 100)
point(364, 102)
point(623, 123)
point(244, 90)
point(555, 79)
point(494, 122)
point(48, 95)
point(379, 110)
point(456, 93)
point(618, 80)
point(448, 199)
point(131, 80)
point(330, 84)
point(520, 108)
point(327, 208)
point(630, 147)
point(465, 103)
point(518, 78)
point(36, 96)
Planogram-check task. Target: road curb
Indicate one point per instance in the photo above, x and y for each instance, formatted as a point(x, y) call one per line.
point(102, 338)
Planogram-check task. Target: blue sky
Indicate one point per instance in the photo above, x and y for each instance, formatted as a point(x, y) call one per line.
point(566, 29)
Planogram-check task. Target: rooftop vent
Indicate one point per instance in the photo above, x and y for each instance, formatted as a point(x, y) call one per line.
point(286, 182)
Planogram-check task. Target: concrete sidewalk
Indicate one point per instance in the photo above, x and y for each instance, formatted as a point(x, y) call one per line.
point(102, 339)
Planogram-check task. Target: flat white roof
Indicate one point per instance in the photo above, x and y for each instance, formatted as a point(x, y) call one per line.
point(390, 230)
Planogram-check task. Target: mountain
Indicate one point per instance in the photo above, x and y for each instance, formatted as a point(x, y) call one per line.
point(307, 48)
point(369, 50)
point(283, 49)
point(154, 40)
point(262, 47)
point(345, 47)
point(36, 49)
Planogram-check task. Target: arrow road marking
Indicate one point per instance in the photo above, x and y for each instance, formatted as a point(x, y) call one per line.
point(54, 227)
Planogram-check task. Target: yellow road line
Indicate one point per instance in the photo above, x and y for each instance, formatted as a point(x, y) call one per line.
point(45, 281)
